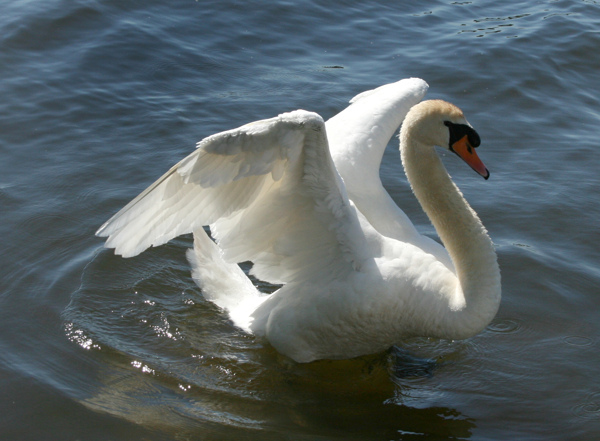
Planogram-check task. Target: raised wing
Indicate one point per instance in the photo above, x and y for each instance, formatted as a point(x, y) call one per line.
point(358, 137)
point(269, 191)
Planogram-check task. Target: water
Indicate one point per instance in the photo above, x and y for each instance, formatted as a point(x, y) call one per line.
point(100, 97)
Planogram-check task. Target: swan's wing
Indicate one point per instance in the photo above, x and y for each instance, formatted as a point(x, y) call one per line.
point(358, 137)
point(271, 194)
point(359, 134)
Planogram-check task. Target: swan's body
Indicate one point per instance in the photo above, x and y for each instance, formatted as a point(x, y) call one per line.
point(357, 277)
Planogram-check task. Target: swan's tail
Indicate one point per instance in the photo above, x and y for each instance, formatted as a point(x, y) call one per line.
point(221, 282)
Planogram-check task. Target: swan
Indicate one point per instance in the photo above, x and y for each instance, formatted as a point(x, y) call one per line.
point(303, 201)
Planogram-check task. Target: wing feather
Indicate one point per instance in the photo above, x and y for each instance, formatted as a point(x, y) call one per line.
point(269, 191)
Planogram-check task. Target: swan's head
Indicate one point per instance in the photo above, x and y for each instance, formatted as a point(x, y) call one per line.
point(439, 123)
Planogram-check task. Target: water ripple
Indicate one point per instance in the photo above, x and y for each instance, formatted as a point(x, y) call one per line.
point(590, 409)
point(505, 326)
point(578, 340)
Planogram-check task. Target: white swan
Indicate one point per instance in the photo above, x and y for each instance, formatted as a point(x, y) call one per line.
point(357, 277)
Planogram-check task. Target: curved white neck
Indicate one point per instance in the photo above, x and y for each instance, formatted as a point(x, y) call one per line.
point(477, 296)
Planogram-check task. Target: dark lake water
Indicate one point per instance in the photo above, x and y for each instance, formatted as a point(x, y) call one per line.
point(99, 97)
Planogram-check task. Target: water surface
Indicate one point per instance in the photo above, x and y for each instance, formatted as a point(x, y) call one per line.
point(100, 97)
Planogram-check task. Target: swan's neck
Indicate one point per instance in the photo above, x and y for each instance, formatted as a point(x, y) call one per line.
point(474, 301)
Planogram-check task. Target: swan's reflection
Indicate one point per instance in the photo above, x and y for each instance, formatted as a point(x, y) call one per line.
point(226, 398)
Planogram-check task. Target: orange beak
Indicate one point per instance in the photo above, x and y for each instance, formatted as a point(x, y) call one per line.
point(467, 153)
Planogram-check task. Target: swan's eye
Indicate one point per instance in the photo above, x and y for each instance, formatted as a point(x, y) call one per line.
point(474, 139)
point(458, 131)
